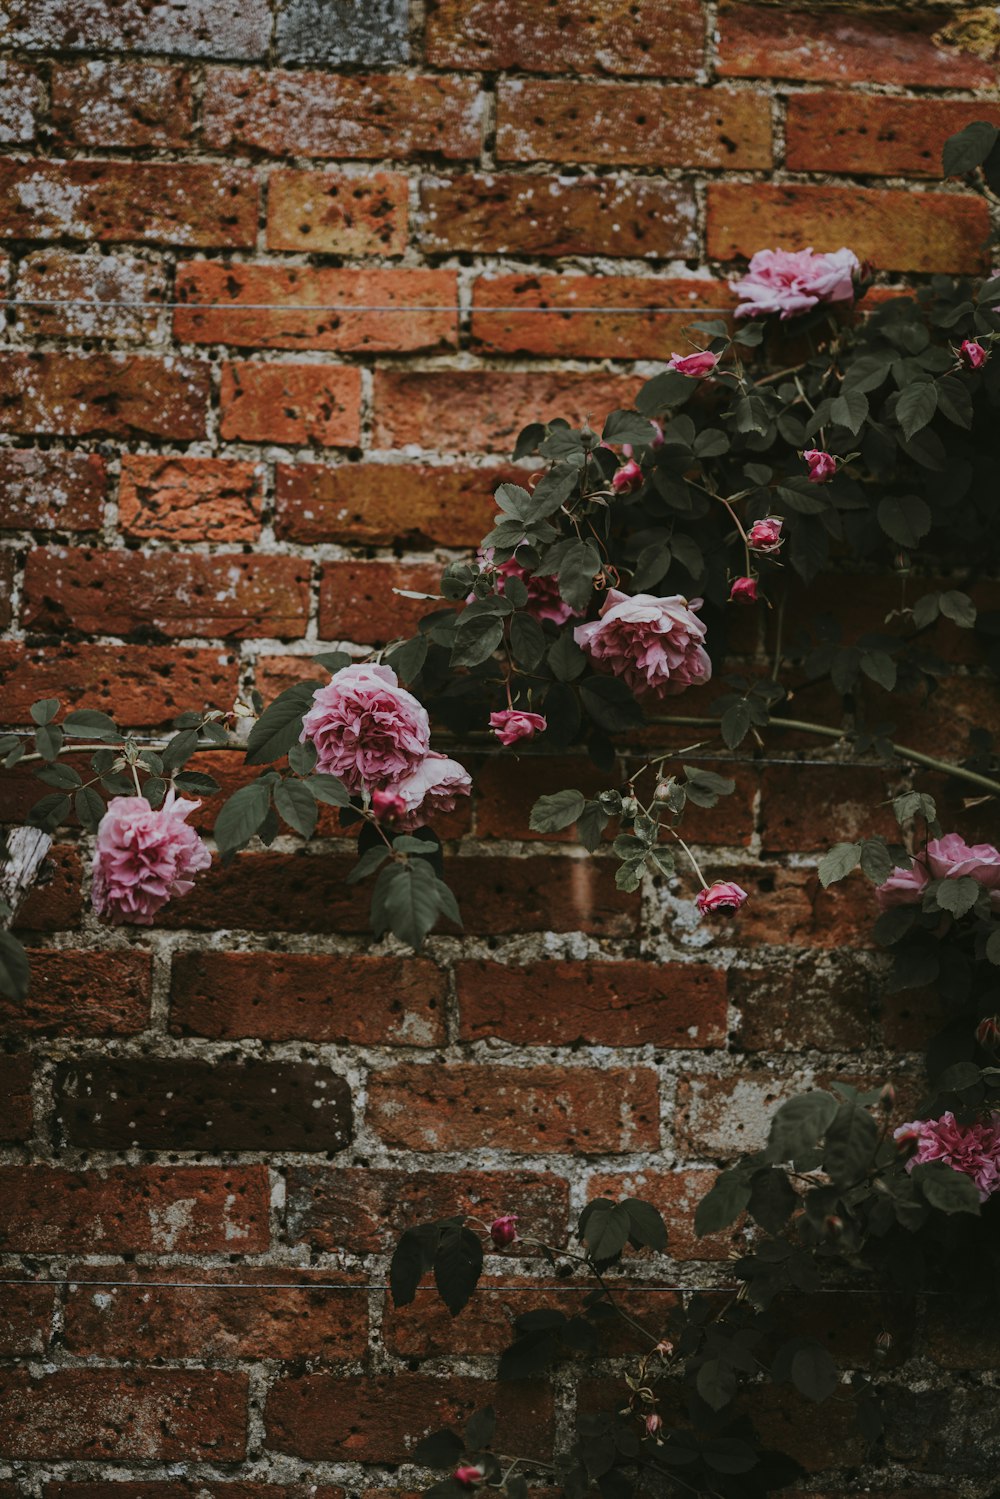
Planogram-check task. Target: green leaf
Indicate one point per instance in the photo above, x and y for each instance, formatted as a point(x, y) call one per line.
point(441, 1449)
point(969, 148)
point(627, 426)
point(552, 813)
point(850, 409)
point(877, 863)
point(527, 640)
point(646, 1224)
point(294, 801)
point(329, 790)
point(48, 740)
point(302, 758)
point(179, 749)
point(480, 1428)
point(711, 443)
point(407, 660)
point(196, 783)
point(850, 1144)
point(628, 876)
point(334, 661)
point(371, 859)
point(13, 968)
point(735, 725)
point(605, 1230)
point(63, 777)
point(959, 608)
point(799, 1123)
point(814, 1374)
point(241, 816)
point(566, 660)
point(993, 947)
point(411, 1259)
point(946, 1189)
point(666, 390)
point(879, 667)
point(577, 568)
point(716, 1383)
point(89, 807)
point(916, 406)
point(408, 899)
point(772, 1199)
point(590, 825)
point(458, 1265)
point(280, 725)
point(45, 710)
point(476, 639)
point(957, 896)
point(838, 863)
point(610, 704)
point(725, 1202)
point(88, 723)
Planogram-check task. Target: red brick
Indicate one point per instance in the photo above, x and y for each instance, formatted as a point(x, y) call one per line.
point(166, 1323)
point(540, 1109)
point(155, 203)
point(218, 28)
point(801, 803)
point(620, 124)
point(844, 45)
point(50, 491)
point(54, 902)
point(114, 1414)
point(340, 998)
point(356, 600)
point(910, 1016)
point(724, 1117)
point(124, 395)
point(961, 704)
point(334, 213)
point(26, 1314)
point(676, 1194)
point(517, 215)
point(135, 1209)
point(190, 499)
point(786, 1422)
point(821, 1006)
point(121, 104)
point(884, 137)
point(365, 332)
point(208, 1489)
point(61, 276)
point(661, 38)
point(8, 563)
point(501, 896)
point(117, 592)
point(291, 404)
point(82, 993)
point(177, 1104)
point(364, 1209)
point(146, 685)
point(372, 503)
point(323, 114)
point(20, 103)
point(647, 334)
point(895, 229)
point(468, 411)
point(962, 1333)
point(602, 1004)
point(16, 1121)
point(508, 784)
point(789, 907)
point(365, 1419)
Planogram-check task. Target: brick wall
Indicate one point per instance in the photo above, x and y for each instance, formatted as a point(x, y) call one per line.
point(196, 500)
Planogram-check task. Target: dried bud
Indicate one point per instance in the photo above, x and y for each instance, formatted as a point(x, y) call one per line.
point(664, 790)
point(503, 1230)
point(988, 1032)
point(887, 1099)
point(883, 1343)
point(833, 1225)
point(664, 1348)
point(654, 1424)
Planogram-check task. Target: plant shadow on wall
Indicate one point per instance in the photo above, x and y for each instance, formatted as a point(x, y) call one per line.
point(810, 437)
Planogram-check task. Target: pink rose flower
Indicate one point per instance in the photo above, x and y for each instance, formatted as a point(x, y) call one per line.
point(947, 858)
point(514, 724)
point(972, 354)
point(503, 1231)
point(822, 466)
point(765, 535)
point(144, 858)
point(367, 730)
point(724, 895)
point(469, 1474)
point(434, 786)
point(653, 644)
point(973, 1149)
point(387, 806)
point(544, 600)
point(696, 366)
point(657, 439)
point(627, 479)
point(743, 591)
point(790, 282)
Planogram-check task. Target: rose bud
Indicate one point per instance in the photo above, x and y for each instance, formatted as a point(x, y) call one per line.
point(513, 724)
point(695, 366)
point(664, 790)
point(664, 1348)
point(656, 441)
point(743, 591)
point(469, 1475)
point(654, 1424)
point(833, 1225)
point(627, 479)
point(972, 354)
point(822, 466)
point(387, 806)
point(722, 896)
point(765, 535)
point(503, 1230)
point(883, 1343)
point(988, 1033)
point(887, 1099)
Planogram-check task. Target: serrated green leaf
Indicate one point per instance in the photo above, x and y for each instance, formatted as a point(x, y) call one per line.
point(294, 801)
point(724, 1203)
point(280, 725)
point(408, 899)
point(957, 896)
point(946, 1189)
point(89, 807)
point(476, 638)
point(527, 640)
point(814, 1374)
point(552, 813)
point(45, 710)
point(850, 409)
point(838, 863)
point(916, 406)
point(88, 723)
point(605, 1231)
point(241, 816)
point(969, 148)
point(14, 970)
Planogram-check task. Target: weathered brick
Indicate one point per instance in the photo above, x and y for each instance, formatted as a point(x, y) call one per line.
point(724, 1117)
point(341, 998)
point(146, 685)
point(501, 896)
point(364, 1209)
point(801, 803)
point(357, 602)
point(338, 31)
point(371, 503)
point(825, 1005)
point(190, 499)
point(26, 1315)
point(895, 229)
point(134, 1209)
point(54, 903)
point(846, 45)
point(662, 38)
point(50, 491)
point(20, 101)
point(785, 1422)
point(649, 333)
point(17, 1119)
point(344, 329)
point(347, 115)
point(62, 276)
point(291, 404)
point(790, 907)
point(117, 592)
point(114, 1414)
point(121, 104)
point(955, 1432)
point(157, 203)
point(82, 993)
point(379, 1419)
point(676, 1195)
point(202, 28)
point(207, 1489)
point(601, 1004)
point(513, 215)
point(469, 411)
point(509, 783)
point(623, 124)
point(550, 1110)
point(166, 1323)
point(872, 133)
point(962, 1332)
point(193, 1105)
point(126, 395)
point(334, 213)
point(7, 571)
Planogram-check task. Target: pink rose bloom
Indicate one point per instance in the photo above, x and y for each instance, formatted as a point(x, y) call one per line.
point(696, 366)
point(514, 724)
point(724, 895)
point(468, 1475)
point(972, 354)
point(973, 1149)
point(653, 644)
point(627, 479)
point(743, 591)
point(503, 1231)
point(367, 730)
point(387, 806)
point(947, 858)
point(822, 466)
point(544, 600)
point(765, 535)
point(790, 282)
point(433, 787)
point(144, 858)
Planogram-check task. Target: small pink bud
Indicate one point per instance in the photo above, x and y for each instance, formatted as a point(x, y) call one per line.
point(695, 366)
point(664, 1348)
point(387, 806)
point(627, 479)
point(664, 790)
point(988, 1032)
point(833, 1225)
point(503, 1230)
point(765, 535)
point(743, 591)
point(972, 354)
point(822, 466)
point(722, 896)
point(514, 724)
point(654, 1424)
point(887, 1099)
point(884, 1343)
point(656, 441)
point(469, 1475)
